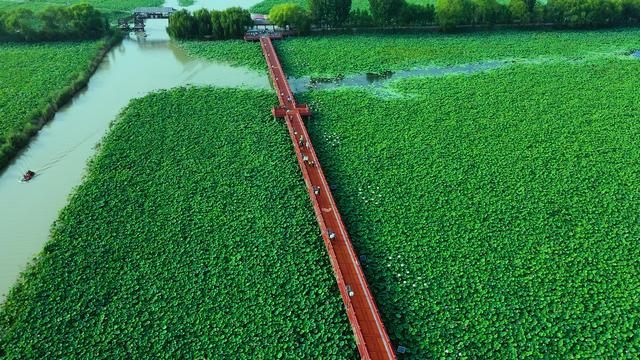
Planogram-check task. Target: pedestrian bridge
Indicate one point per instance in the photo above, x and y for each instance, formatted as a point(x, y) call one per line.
point(371, 336)
point(153, 12)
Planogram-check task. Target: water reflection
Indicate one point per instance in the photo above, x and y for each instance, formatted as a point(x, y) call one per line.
point(61, 149)
point(380, 80)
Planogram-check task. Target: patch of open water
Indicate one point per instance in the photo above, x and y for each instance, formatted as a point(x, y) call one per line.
point(381, 80)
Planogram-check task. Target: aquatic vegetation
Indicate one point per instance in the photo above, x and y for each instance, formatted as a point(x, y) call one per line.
point(33, 77)
point(192, 236)
point(102, 5)
point(330, 56)
point(498, 212)
point(333, 56)
point(234, 52)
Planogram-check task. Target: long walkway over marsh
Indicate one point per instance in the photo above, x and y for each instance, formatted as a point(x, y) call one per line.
point(371, 336)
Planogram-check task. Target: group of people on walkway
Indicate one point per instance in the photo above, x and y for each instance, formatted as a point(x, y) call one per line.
point(304, 144)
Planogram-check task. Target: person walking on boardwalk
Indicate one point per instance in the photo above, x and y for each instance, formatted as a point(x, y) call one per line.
point(305, 159)
point(301, 141)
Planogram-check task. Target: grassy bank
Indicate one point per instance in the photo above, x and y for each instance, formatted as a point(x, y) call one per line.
point(38, 79)
point(498, 211)
point(192, 236)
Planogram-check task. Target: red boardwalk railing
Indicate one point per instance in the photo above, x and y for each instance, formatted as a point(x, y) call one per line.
point(371, 336)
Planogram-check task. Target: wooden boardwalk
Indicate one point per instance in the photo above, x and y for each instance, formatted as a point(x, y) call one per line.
point(371, 336)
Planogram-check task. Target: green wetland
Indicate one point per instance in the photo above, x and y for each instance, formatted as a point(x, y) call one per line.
point(498, 211)
point(333, 56)
point(134, 269)
point(329, 57)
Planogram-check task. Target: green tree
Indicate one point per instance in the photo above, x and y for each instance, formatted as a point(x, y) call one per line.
point(330, 12)
point(488, 12)
point(360, 18)
point(182, 25)
point(451, 13)
point(343, 9)
point(235, 22)
point(56, 22)
point(414, 14)
point(531, 5)
point(520, 11)
point(629, 11)
point(86, 22)
point(3, 28)
point(385, 11)
point(290, 14)
point(22, 24)
point(216, 26)
point(202, 19)
point(584, 13)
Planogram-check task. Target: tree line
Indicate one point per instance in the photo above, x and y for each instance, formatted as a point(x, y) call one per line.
point(449, 14)
point(231, 23)
point(562, 13)
point(80, 21)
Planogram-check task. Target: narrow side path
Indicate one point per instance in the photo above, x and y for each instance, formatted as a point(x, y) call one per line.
point(371, 336)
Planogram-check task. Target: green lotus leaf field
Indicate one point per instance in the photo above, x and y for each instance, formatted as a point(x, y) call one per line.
point(331, 56)
point(33, 77)
point(107, 6)
point(191, 236)
point(498, 211)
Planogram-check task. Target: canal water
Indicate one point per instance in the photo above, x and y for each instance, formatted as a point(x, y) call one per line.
point(59, 153)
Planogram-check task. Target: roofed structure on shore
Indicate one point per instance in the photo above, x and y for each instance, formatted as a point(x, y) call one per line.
point(153, 12)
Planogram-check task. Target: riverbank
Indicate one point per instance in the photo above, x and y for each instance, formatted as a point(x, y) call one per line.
point(16, 140)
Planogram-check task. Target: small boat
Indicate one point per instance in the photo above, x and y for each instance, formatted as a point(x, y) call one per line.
point(28, 176)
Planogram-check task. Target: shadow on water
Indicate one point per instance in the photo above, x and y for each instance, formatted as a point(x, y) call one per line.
point(380, 80)
point(59, 152)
